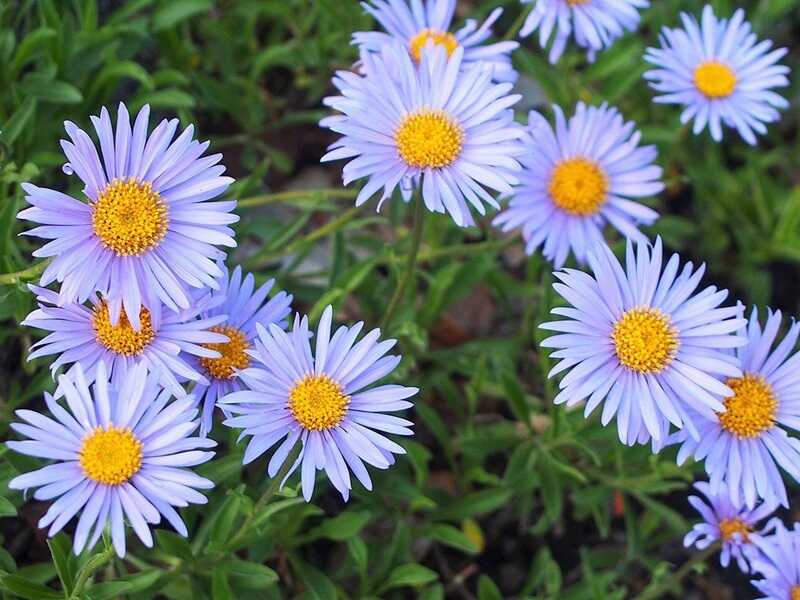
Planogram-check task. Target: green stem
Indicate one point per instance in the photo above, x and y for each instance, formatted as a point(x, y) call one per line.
point(291, 195)
point(26, 274)
point(411, 263)
point(517, 24)
point(673, 580)
point(94, 563)
point(273, 487)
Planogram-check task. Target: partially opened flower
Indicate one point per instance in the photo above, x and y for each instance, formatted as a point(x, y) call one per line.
point(429, 22)
point(87, 336)
point(578, 177)
point(727, 522)
point(322, 401)
point(745, 441)
point(720, 73)
point(242, 306)
point(447, 131)
point(147, 233)
point(594, 23)
point(120, 454)
point(778, 563)
point(641, 342)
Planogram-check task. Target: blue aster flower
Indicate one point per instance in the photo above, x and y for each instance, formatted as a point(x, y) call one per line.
point(322, 401)
point(594, 23)
point(237, 307)
point(87, 336)
point(745, 441)
point(720, 73)
point(421, 23)
point(447, 131)
point(579, 176)
point(727, 522)
point(642, 342)
point(120, 453)
point(148, 233)
point(778, 563)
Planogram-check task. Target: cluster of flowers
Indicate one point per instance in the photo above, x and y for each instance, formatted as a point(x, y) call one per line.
point(426, 111)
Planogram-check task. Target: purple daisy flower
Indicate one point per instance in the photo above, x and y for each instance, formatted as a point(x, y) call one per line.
point(147, 233)
point(718, 71)
point(239, 308)
point(427, 22)
point(447, 131)
point(87, 336)
point(322, 401)
point(642, 342)
point(725, 521)
point(120, 454)
point(745, 441)
point(595, 23)
point(577, 177)
point(778, 562)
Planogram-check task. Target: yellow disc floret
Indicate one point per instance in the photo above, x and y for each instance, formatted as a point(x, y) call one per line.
point(578, 2)
point(714, 79)
point(111, 455)
point(234, 353)
point(440, 38)
point(122, 338)
point(429, 139)
point(752, 408)
point(578, 186)
point(728, 528)
point(645, 340)
point(317, 402)
point(796, 592)
point(129, 217)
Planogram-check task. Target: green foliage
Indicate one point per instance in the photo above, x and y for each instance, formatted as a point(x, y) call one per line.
point(501, 494)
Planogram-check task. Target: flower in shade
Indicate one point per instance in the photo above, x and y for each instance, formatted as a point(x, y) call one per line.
point(420, 24)
point(642, 342)
point(321, 401)
point(576, 178)
point(148, 232)
point(452, 133)
point(745, 441)
point(718, 71)
point(778, 563)
point(120, 454)
point(727, 522)
point(89, 336)
point(594, 23)
point(242, 306)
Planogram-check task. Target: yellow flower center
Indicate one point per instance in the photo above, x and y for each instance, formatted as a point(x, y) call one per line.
point(429, 139)
point(122, 338)
point(111, 455)
point(578, 186)
point(234, 353)
point(752, 408)
point(714, 80)
point(440, 38)
point(577, 2)
point(796, 592)
point(318, 402)
point(730, 527)
point(129, 217)
point(645, 340)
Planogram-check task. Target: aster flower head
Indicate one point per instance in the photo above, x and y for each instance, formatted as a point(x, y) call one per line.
point(237, 308)
point(322, 401)
point(579, 176)
point(778, 563)
point(120, 453)
point(148, 232)
point(86, 336)
point(720, 73)
point(725, 521)
point(594, 23)
point(448, 131)
point(642, 342)
point(426, 22)
point(744, 442)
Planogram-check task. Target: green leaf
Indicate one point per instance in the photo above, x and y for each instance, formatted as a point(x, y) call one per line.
point(167, 98)
point(250, 575)
point(173, 12)
point(343, 526)
point(16, 124)
point(411, 574)
point(174, 544)
point(50, 90)
point(358, 552)
point(220, 588)
point(64, 560)
point(226, 517)
point(25, 588)
point(28, 48)
point(476, 503)
point(6, 508)
point(453, 537)
point(110, 589)
point(487, 590)
point(317, 583)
